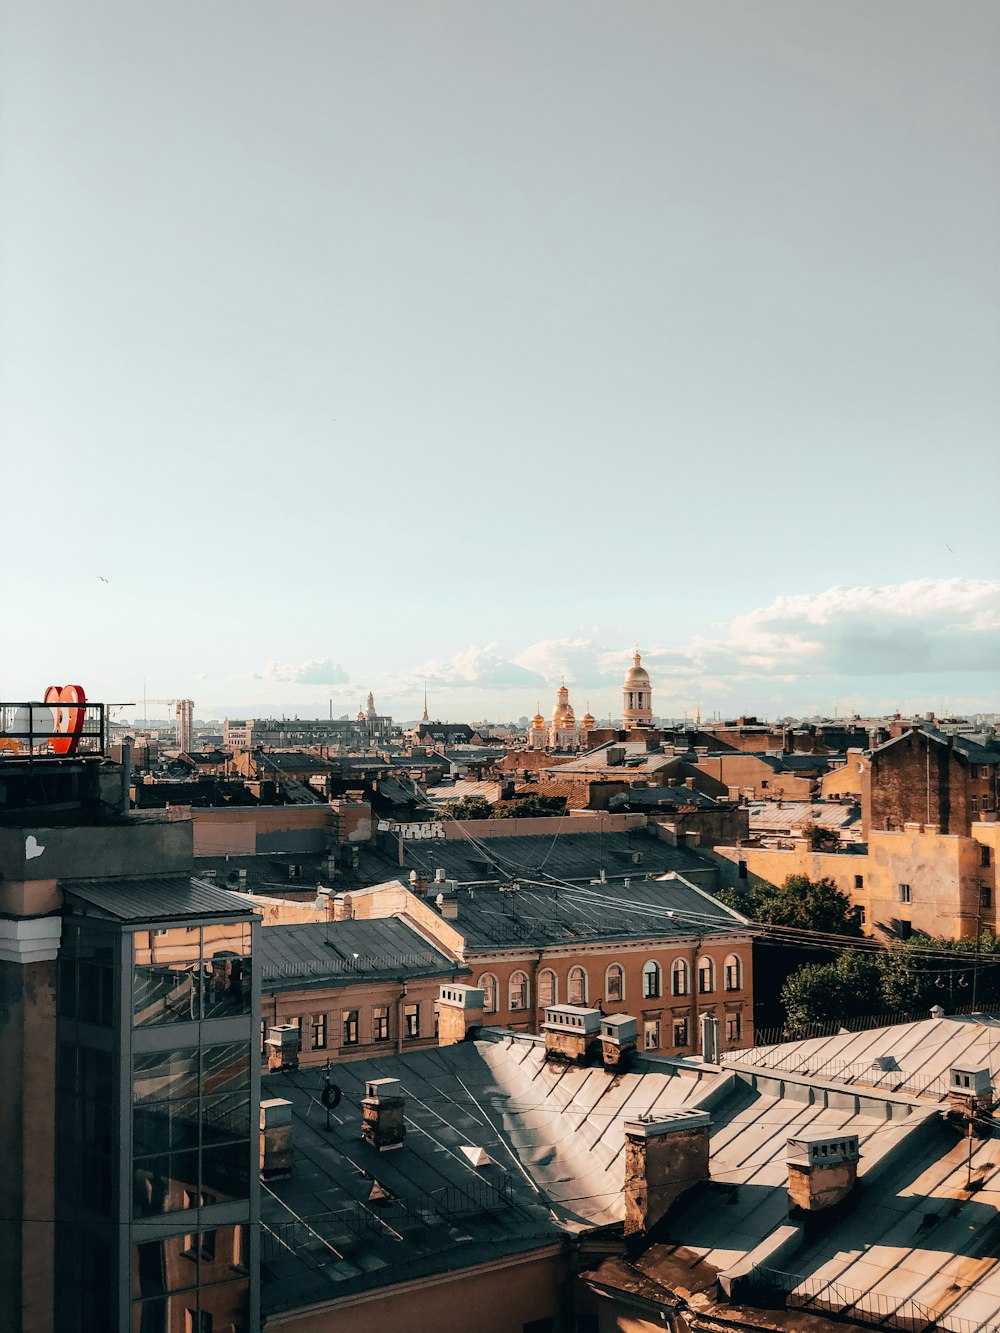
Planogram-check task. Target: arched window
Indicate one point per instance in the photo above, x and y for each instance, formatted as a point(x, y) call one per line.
point(652, 984)
point(733, 973)
point(706, 976)
point(679, 983)
point(577, 987)
point(548, 988)
point(517, 990)
point(487, 983)
point(614, 984)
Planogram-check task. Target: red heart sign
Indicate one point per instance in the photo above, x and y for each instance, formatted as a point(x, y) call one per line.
point(68, 719)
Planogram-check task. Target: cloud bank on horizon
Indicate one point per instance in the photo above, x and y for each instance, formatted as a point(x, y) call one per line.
point(863, 646)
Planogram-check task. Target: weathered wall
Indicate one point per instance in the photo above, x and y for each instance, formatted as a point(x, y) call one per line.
point(139, 847)
point(498, 1299)
point(250, 830)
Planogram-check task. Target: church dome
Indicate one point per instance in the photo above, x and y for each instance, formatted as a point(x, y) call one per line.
point(637, 673)
point(562, 714)
point(537, 721)
point(588, 722)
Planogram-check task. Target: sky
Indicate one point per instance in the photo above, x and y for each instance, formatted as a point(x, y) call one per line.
point(363, 345)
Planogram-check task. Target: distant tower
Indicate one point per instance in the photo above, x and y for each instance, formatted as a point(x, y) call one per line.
point(425, 717)
point(184, 713)
point(371, 706)
point(637, 696)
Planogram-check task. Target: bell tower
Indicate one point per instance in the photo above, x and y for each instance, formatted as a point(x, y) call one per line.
point(637, 696)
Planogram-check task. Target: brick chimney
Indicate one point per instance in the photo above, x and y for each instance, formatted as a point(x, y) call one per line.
point(619, 1037)
point(283, 1043)
point(571, 1033)
point(382, 1123)
point(275, 1138)
point(460, 1012)
point(664, 1157)
point(822, 1169)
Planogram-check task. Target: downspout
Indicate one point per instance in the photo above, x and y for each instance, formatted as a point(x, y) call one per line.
point(693, 1036)
point(399, 1019)
point(533, 991)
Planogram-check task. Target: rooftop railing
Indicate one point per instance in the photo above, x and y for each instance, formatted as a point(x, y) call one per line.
point(57, 728)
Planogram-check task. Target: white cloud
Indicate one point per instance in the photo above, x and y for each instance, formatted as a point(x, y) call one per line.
point(475, 666)
point(315, 671)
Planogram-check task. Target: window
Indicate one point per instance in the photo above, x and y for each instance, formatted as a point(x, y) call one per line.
point(349, 1019)
point(487, 983)
point(985, 896)
point(651, 980)
point(380, 1022)
point(861, 916)
point(517, 990)
point(741, 869)
point(706, 976)
point(734, 1027)
point(859, 881)
point(319, 1032)
point(733, 973)
point(984, 770)
point(197, 1321)
point(984, 856)
point(904, 893)
point(651, 1034)
point(577, 987)
point(974, 804)
point(548, 989)
point(679, 982)
point(765, 784)
point(296, 1021)
point(263, 1035)
point(680, 1032)
point(411, 1020)
point(614, 983)
point(294, 872)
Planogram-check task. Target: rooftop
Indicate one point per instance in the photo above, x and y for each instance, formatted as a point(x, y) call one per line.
point(341, 953)
point(154, 898)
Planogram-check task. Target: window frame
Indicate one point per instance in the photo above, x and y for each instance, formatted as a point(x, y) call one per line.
point(617, 969)
point(680, 968)
point(652, 980)
point(575, 974)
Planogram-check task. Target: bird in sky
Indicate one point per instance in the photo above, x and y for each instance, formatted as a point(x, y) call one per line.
point(102, 578)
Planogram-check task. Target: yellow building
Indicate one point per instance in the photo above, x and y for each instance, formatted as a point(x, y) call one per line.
point(637, 696)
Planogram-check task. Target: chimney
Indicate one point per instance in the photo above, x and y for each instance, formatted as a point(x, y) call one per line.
point(448, 907)
point(663, 1157)
point(571, 1033)
point(460, 1012)
point(619, 1037)
point(126, 803)
point(275, 1139)
point(689, 783)
point(822, 1170)
point(283, 1042)
point(970, 1093)
point(382, 1123)
point(710, 1039)
point(418, 885)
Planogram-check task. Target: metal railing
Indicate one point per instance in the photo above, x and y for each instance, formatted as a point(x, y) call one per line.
point(61, 728)
point(873, 1308)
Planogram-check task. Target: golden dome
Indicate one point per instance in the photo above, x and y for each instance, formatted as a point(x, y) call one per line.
point(637, 673)
point(588, 722)
point(537, 721)
point(562, 714)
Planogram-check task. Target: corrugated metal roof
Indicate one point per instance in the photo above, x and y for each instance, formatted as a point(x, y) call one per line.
point(155, 898)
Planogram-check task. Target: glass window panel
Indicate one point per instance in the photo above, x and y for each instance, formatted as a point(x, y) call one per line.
point(164, 1184)
point(160, 1267)
point(225, 1066)
point(225, 1118)
point(162, 1075)
point(225, 1171)
point(164, 1126)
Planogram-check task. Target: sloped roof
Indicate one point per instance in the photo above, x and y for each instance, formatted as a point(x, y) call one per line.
point(342, 953)
point(154, 898)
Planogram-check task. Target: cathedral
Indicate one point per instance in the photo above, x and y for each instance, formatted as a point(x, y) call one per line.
point(563, 732)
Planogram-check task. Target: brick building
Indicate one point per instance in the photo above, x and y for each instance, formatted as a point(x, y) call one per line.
point(927, 777)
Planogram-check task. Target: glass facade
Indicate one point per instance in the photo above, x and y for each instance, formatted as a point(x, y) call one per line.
point(190, 973)
point(191, 1128)
point(157, 1100)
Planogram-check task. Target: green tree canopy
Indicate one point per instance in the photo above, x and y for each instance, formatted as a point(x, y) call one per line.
point(831, 992)
point(801, 902)
point(469, 807)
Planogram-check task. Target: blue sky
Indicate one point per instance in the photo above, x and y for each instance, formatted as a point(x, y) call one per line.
point(477, 343)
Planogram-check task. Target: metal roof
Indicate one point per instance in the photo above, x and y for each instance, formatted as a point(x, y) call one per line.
point(533, 916)
point(155, 898)
point(341, 953)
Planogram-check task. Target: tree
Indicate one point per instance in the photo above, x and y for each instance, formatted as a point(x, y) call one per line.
point(831, 992)
point(469, 807)
point(524, 807)
point(800, 902)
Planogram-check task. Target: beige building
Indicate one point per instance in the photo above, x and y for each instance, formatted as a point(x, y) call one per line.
point(637, 696)
point(909, 879)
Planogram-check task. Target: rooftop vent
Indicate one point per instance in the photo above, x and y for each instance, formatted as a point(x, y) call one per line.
point(382, 1122)
point(822, 1169)
point(571, 1032)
